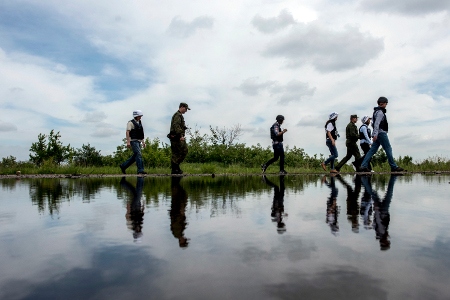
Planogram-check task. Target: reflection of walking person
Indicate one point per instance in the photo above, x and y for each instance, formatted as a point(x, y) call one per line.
point(381, 216)
point(276, 134)
point(278, 204)
point(135, 209)
point(177, 138)
point(332, 208)
point(352, 202)
point(135, 136)
point(178, 212)
point(331, 134)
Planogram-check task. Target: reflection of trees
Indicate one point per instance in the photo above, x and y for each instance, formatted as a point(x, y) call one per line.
point(9, 184)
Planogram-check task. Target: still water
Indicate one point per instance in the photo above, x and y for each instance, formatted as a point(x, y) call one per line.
point(292, 237)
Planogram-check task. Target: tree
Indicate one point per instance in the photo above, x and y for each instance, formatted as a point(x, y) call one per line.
point(87, 156)
point(52, 150)
point(225, 136)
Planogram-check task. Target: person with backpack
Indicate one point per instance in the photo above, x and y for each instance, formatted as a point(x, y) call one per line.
point(135, 136)
point(380, 137)
point(276, 134)
point(365, 138)
point(331, 134)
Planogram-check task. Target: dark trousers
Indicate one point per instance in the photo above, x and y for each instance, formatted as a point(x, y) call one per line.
point(365, 148)
point(352, 150)
point(278, 152)
point(179, 151)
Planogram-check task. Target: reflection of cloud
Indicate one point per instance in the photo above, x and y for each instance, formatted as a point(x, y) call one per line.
point(294, 249)
point(407, 7)
point(269, 25)
point(435, 258)
point(325, 49)
point(120, 271)
point(338, 283)
point(183, 29)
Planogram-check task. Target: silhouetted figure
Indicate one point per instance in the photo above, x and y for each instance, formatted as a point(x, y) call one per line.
point(352, 201)
point(381, 211)
point(332, 208)
point(177, 212)
point(135, 209)
point(277, 213)
point(366, 208)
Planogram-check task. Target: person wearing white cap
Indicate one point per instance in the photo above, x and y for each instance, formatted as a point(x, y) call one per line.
point(135, 136)
point(331, 136)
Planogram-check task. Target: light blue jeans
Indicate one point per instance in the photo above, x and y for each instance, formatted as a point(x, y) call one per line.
point(383, 141)
point(136, 157)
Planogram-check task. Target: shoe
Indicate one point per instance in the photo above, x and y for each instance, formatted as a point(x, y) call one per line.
point(123, 169)
point(398, 169)
point(324, 167)
point(334, 171)
point(355, 166)
point(263, 168)
point(365, 169)
point(143, 173)
point(283, 172)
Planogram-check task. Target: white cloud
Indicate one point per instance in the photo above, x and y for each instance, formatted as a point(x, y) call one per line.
point(407, 7)
point(183, 29)
point(6, 126)
point(270, 25)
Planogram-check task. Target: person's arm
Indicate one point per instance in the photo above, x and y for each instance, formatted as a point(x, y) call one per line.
point(366, 135)
point(376, 124)
point(127, 134)
point(329, 135)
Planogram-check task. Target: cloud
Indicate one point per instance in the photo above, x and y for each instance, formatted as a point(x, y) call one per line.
point(292, 91)
point(94, 117)
point(311, 121)
point(105, 132)
point(5, 126)
point(252, 87)
point(183, 29)
point(406, 7)
point(270, 25)
point(327, 50)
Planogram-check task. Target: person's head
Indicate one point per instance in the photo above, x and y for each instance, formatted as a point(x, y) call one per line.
point(137, 115)
point(183, 107)
point(382, 102)
point(353, 118)
point(366, 120)
point(280, 119)
point(333, 116)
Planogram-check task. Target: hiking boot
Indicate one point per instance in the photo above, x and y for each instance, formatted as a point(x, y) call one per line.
point(142, 173)
point(334, 171)
point(263, 168)
point(324, 167)
point(123, 169)
point(355, 166)
point(398, 169)
point(283, 172)
point(365, 169)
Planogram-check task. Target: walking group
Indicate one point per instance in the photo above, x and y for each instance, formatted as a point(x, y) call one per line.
point(369, 141)
point(135, 140)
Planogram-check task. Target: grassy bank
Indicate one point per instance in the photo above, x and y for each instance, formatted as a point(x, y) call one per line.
point(427, 165)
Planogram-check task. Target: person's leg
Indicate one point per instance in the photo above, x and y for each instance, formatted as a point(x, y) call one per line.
point(333, 156)
point(276, 155)
point(365, 148)
point(346, 157)
point(371, 153)
point(138, 156)
point(130, 160)
point(281, 154)
point(384, 141)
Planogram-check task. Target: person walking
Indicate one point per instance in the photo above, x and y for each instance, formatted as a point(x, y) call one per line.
point(351, 136)
point(177, 138)
point(380, 137)
point(135, 137)
point(276, 134)
point(365, 138)
point(331, 136)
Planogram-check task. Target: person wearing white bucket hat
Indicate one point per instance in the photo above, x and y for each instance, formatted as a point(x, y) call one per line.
point(331, 136)
point(365, 138)
point(135, 136)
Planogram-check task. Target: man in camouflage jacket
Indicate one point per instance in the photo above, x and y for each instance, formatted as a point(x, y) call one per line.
point(352, 137)
point(177, 138)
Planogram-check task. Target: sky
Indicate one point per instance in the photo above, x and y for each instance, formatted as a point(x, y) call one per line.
point(82, 67)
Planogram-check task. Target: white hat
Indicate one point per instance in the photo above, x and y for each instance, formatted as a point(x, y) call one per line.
point(333, 115)
point(365, 118)
point(137, 113)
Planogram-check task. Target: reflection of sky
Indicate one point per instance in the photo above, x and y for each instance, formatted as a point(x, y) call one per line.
point(87, 251)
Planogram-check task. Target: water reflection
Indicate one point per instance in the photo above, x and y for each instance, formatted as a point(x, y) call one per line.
point(382, 216)
point(277, 213)
point(135, 208)
point(332, 207)
point(177, 212)
point(352, 201)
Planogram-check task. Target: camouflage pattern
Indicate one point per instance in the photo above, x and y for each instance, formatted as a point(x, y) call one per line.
point(177, 130)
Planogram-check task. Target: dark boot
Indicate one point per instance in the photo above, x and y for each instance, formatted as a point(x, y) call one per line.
point(174, 168)
point(179, 170)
